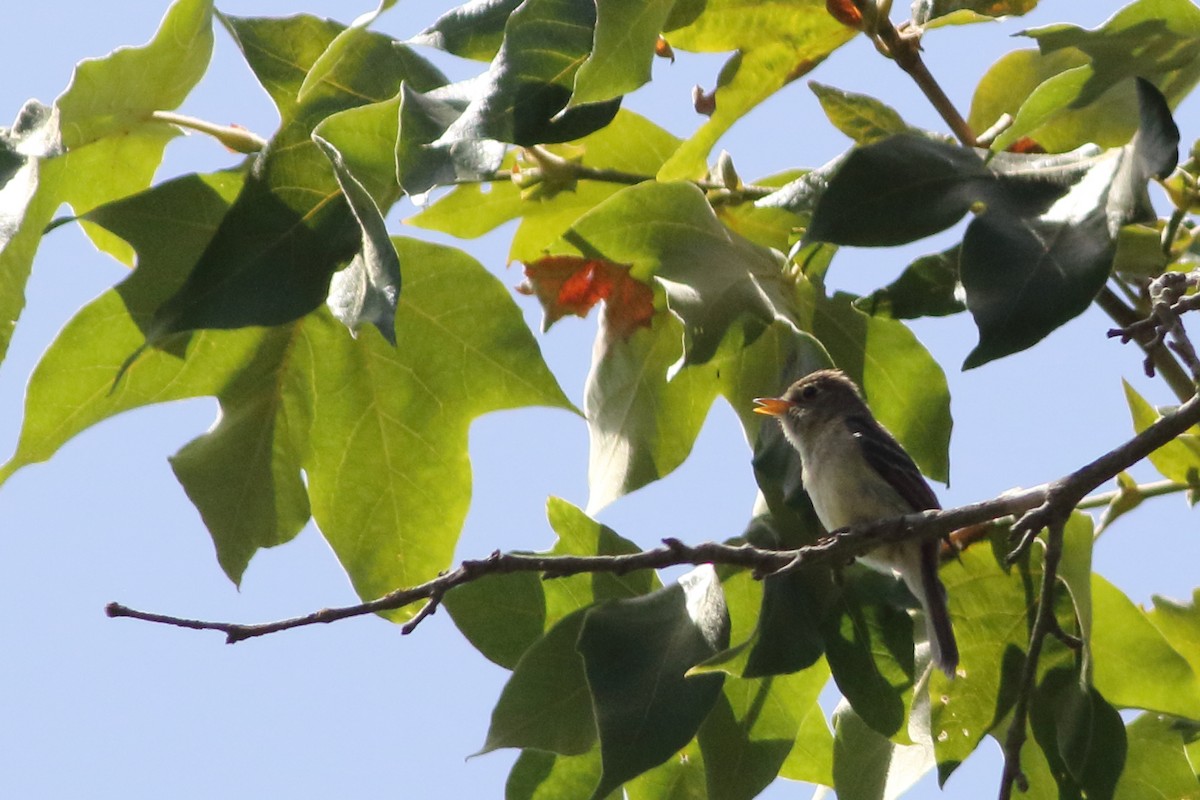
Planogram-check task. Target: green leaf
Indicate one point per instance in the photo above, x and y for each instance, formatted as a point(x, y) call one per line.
point(626, 32)
point(682, 777)
point(1180, 626)
point(1013, 78)
point(636, 653)
point(1179, 459)
point(1127, 647)
point(928, 287)
point(989, 604)
point(115, 95)
point(1157, 764)
point(31, 183)
point(365, 136)
point(393, 512)
point(523, 97)
point(861, 117)
point(869, 646)
point(766, 226)
point(500, 615)
point(1149, 39)
point(291, 228)
point(580, 535)
point(545, 704)
point(925, 11)
point(538, 775)
point(866, 766)
point(473, 30)
point(753, 727)
point(107, 113)
point(775, 44)
point(366, 291)
point(811, 757)
point(788, 635)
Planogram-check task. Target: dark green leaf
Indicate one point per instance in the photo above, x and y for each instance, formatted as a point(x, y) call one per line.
point(579, 534)
point(291, 228)
point(473, 30)
point(750, 731)
point(869, 646)
point(500, 615)
point(928, 287)
point(788, 638)
point(861, 117)
point(545, 704)
point(366, 291)
point(636, 654)
point(420, 163)
point(1081, 735)
point(529, 81)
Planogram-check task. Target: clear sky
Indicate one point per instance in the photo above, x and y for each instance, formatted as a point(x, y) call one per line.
point(98, 708)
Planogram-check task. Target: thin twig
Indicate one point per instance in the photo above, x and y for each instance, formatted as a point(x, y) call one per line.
point(1169, 300)
point(1163, 363)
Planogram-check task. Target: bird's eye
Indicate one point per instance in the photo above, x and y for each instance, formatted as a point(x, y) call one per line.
point(808, 392)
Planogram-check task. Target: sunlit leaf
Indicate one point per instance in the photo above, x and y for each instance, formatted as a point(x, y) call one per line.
point(861, 117)
point(626, 33)
point(1179, 459)
point(866, 766)
point(473, 30)
point(1157, 764)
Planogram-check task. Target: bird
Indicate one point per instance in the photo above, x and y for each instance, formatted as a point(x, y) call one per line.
point(854, 472)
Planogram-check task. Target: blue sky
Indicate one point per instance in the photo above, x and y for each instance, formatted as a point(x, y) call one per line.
point(103, 708)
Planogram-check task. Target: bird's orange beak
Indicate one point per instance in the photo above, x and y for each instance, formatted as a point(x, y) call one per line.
point(772, 406)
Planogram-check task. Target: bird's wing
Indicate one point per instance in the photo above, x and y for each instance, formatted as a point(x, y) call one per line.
point(889, 459)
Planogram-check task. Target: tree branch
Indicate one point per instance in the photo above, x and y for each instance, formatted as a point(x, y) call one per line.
point(904, 46)
point(1158, 360)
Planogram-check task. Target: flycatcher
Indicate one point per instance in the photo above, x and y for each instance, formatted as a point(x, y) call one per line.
point(855, 472)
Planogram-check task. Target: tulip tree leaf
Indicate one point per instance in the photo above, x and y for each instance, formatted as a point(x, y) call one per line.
point(636, 654)
point(545, 704)
point(773, 45)
point(928, 287)
point(867, 766)
point(1081, 735)
point(540, 775)
point(1157, 763)
point(1179, 459)
point(291, 228)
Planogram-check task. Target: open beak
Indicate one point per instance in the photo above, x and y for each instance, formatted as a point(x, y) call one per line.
point(772, 406)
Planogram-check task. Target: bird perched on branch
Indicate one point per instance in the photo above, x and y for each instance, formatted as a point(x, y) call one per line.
point(856, 472)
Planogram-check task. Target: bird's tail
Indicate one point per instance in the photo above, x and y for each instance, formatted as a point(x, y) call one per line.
point(925, 584)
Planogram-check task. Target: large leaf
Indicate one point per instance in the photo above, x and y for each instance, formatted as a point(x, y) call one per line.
point(1081, 735)
point(291, 228)
point(861, 117)
point(389, 497)
point(1154, 40)
point(473, 30)
point(773, 44)
point(539, 775)
point(637, 653)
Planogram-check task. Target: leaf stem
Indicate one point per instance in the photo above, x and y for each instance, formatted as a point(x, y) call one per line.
point(1145, 490)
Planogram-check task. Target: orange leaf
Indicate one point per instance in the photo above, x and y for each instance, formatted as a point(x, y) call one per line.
point(845, 12)
point(573, 285)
